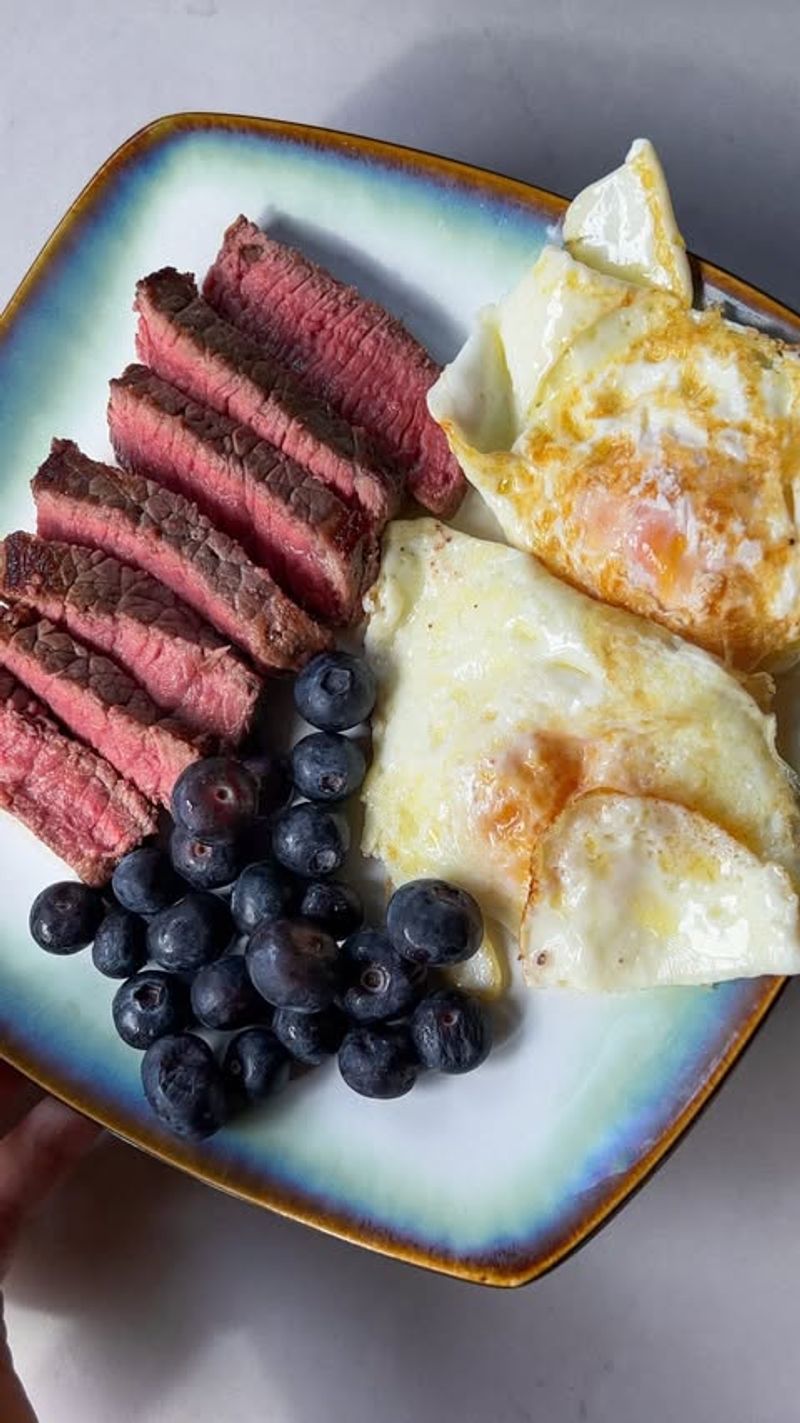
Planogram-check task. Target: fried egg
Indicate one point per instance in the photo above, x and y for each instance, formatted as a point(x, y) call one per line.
point(624, 224)
point(648, 452)
point(611, 794)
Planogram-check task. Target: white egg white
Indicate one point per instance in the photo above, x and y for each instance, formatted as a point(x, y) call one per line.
point(635, 892)
point(624, 224)
point(518, 718)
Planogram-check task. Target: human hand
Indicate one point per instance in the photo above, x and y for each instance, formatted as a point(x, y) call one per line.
point(35, 1155)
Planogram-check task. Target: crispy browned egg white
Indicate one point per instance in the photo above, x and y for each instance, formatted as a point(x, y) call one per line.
point(610, 793)
point(646, 451)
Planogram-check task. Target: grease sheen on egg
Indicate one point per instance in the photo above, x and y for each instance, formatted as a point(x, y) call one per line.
point(644, 450)
point(506, 697)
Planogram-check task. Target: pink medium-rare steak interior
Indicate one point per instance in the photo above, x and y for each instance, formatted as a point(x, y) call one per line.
point(99, 701)
point(69, 797)
point(185, 666)
point(302, 533)
point(82, 501)
point(186, 342)
point(346, 350)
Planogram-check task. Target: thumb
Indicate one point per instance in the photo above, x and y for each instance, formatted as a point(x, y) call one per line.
point(34, 1157)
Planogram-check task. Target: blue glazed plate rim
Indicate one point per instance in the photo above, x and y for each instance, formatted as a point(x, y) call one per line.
point(518, 1263)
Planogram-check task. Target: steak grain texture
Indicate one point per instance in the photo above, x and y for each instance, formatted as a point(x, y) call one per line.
point(186, 342)
point(99, 701)
point(79, 500)
point(347, 351)
point(184, 665)
point(70, 798)
point(310, 541)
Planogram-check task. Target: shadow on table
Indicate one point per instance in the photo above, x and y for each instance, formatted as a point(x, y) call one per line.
point(155, 1277)
point(560, 110)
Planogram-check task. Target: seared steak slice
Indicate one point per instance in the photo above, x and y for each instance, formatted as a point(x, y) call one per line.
point(346, 350)
point(183, 340)
point(98, 701)
point(186, 667)
point(310, 542)
point(82, 501)
point(72, 799)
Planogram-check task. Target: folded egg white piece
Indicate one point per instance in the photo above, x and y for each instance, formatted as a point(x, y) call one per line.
point(645, 451)
point(473, 397)
point(509, 705)
point(486, 396)
point(629, 892)
point(624, 224)
point(620, 231)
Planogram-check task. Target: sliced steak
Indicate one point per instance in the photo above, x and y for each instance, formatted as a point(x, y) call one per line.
point(183, 340)
point(82, 501)
point(313, 545)
point(186, 667)
point(72, 799)
point(99, 702)
point(346, 350)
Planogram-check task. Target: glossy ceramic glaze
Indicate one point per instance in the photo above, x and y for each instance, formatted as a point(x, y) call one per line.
point(493, 1177)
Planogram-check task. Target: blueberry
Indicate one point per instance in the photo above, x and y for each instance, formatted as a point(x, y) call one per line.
point(273, 775)
point(451, 1031)
point(193, 932)
point(223, 995)
point(184, 1085)
point(65, 916)
point(294, 965)
point(144, 881)
point(148, 1006)
point(378, 1061)
point(327, 767)
point(119, 944)
point(335, 691)
point(378, 983)
point(310, 1037)
point(262, 891)
point(334, 906)
point(213, 799)
point(256, 1065)
point(431, 922)
point(204, 865)
point(310, 841)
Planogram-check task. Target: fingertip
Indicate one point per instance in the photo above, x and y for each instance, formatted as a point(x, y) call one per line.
point(60, 1131)
point(38, 1153)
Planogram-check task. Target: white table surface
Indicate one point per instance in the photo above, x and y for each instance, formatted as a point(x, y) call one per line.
point(141, 1295)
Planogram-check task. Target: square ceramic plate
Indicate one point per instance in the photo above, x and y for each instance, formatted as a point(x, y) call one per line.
point(493, 1177)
